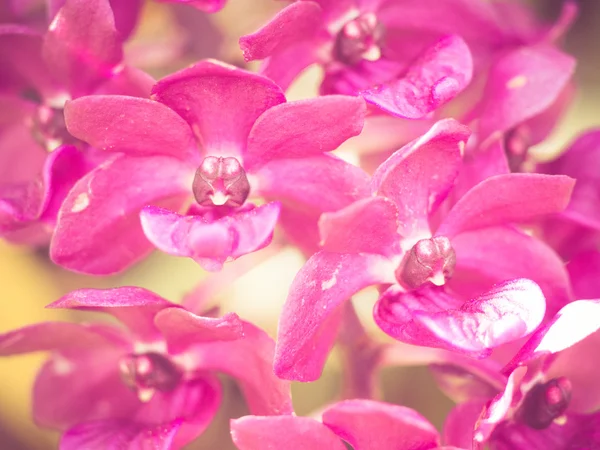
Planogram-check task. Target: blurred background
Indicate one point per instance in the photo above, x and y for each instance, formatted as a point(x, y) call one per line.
point(28, 281)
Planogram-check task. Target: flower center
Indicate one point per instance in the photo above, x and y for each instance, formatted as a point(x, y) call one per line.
point(544, 403)
point(361, 38)
point(220, 181)
point(431, 259)
point(149, 372)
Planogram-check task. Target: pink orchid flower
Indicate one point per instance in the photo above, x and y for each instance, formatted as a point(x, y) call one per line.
point(151, 384)
point(442, 267)
point(79, 54)
point(364, 424)
point(216, 134)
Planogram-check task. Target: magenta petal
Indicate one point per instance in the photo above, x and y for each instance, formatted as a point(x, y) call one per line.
point(283, 67)
point(573, 323)
point(116, 434)
point(219, 101)
point(296, 22)
point(250, 361)
point(419, 175)
point(304, 128)
point(289, 432)
point(211, 243)
point(82, 45)
point(459, 426)
point(521, 85)
point(366, 226)
point(367, 424)
point(135, 126)
point(134, 306)
point(98, 229)
point(499, 200)
point(436, 77)
point(181, 328)
point(583, 271)
point(209, 6)
point(307, 324)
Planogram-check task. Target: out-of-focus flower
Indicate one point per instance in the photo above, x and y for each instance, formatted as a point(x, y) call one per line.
point(79, 54)
point(217, 134)
point(209, 6)
point(433, 264)
point(152, 383)
point(364, 424)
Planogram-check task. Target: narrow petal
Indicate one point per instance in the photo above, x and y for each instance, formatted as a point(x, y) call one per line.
point(296, 22)
point(366, 226)
point(307, 323)
point(499, 200)
point(130, 125)
point(436, 77)
point(289, 432)
point(459, 426)
point(220, 102)
point(181, 328)
point(211, 242)
point(419, 175)
point(82, 45)
point(431, 317)
point(103, 208)
point(389, 426)
point(304, 128)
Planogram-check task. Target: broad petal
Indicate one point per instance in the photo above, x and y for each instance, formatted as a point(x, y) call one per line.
point(82, 45)
point(366, 226)
point(499, 200)
point(220, 102)
point(211, 242)
point(296, 22)
point(389, 426)
point(459, 426)
point(135, 307)
point(436, 77)
point(304, 128)
point(307, 326)
point(103, 209)
point(249, 360)
point(430, 317)
point(419, 176)
point(181, 328)
point(289, 432)
point(130, 125)
point(521, 85)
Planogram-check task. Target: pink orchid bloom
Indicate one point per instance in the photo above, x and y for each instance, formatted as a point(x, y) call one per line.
point(79, 54)
point(216, 134)
point(442, 269)
point(151, 384)
point(364, 424)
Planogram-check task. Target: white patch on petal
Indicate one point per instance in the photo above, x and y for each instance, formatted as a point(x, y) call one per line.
point(461, 147)
point(81, 203)
point(150, 347)
point(328, 284)
point(62, 366)
point(516, 82)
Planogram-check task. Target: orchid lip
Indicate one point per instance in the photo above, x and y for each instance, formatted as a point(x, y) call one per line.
point(545, 403)
point(149, 372)
point(360, 38)
point(431, 260)
point(220, 181)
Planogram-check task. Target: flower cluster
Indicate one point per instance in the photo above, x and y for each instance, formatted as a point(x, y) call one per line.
point(484, 258)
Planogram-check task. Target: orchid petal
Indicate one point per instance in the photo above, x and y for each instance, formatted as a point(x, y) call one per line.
point(459, 426)
point(583, 272)
point(283, 67)
point(209, 6)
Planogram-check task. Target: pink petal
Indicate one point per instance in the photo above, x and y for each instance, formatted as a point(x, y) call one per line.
point(82, 45)
point(249, 361)
point(304, 128)
point(307, 326)
point(209, 6)
point(499, 200)
point(521, 85)
point(419, 175)
point(133, 306)
point(366, 226)
point(127, 81)
point(431, 317)
point(367, 424)
point(283, 67)
point(296, 22)
point(211, 242)
point(289, 432)
point(583, 272)
point(220, 102)
point(134, 126)
point(439, 74)
point(459, 426)
point(103, 208)
point(573, 323)
point(113, 434)
point(181, 328)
